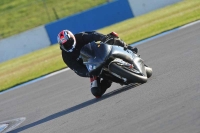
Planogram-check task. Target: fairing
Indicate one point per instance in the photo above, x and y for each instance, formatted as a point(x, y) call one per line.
point(95, 56)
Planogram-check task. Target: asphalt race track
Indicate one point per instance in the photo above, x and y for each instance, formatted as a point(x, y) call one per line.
point(168, 103)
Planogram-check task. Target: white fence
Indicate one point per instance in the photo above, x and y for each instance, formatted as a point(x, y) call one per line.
point(23, 43)
point(140, 7)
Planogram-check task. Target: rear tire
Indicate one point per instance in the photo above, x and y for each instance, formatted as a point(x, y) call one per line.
point(130, 76)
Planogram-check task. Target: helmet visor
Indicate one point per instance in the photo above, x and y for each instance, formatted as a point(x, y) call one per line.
point(68, 44)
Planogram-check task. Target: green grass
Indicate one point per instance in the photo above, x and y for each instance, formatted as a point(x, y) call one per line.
point(156, 22)
point(47, 60)
point(20, 15)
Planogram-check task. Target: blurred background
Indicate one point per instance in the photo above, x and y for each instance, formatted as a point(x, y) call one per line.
point(20, 15)
point(32, 25)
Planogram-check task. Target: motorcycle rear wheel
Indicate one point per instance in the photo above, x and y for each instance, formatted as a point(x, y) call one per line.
point(130, 76)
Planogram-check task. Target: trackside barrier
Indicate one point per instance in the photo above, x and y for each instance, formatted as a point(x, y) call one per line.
point(140, 7)
point(23, 43)
point(92, 19)
point(95, 18)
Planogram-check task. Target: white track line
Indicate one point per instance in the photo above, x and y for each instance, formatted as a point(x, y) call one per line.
point(35, 80)
point(134, 44)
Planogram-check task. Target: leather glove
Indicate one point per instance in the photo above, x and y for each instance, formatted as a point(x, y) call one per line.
point(125, 47)
point(109, 38)
point(112, 35)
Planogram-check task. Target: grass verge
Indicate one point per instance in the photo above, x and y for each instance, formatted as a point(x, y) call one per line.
point(47, 60)
point(21, 15)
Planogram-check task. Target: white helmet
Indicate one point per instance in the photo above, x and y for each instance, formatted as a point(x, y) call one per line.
point(66, 40)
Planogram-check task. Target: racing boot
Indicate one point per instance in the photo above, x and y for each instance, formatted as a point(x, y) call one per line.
point(105, 84)
point(99, 88)
point(95, 86)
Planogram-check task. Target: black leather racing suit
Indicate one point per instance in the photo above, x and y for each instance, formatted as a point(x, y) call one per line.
point(72, 60)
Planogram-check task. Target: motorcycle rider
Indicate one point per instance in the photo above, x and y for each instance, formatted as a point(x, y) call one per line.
point(71, 44)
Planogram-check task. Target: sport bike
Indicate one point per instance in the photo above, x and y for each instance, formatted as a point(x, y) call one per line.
point(114, 63)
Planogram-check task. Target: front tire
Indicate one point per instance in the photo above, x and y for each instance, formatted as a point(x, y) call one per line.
point(149, 71)
point(130, 76)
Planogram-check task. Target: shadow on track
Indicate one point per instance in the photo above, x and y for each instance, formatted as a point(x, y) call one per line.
point(75, 108)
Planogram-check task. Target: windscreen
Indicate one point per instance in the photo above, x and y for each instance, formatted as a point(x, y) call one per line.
point(94, 54)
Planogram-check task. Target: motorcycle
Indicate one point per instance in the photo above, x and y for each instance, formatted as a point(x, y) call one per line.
point(114, 63)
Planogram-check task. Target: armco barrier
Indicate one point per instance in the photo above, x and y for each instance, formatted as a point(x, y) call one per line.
point(92, 19)
point(140, 7)
point(23, 43)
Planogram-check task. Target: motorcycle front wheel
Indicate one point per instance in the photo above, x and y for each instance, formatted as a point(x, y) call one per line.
point(129, 75)
point(149, 71)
